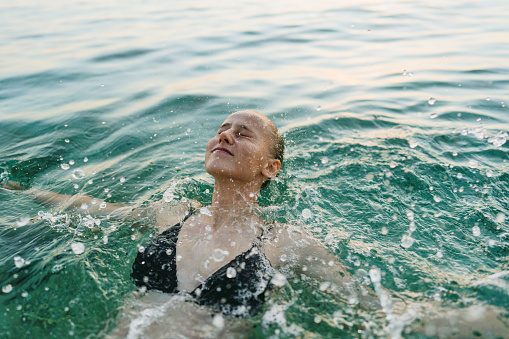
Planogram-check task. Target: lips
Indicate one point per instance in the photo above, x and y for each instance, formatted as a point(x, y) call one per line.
point(222, 149)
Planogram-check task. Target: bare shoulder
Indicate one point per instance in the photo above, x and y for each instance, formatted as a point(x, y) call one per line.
point(286, 242)
point(168, 214)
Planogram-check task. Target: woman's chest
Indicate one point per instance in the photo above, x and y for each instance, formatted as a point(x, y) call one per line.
point(199, 256)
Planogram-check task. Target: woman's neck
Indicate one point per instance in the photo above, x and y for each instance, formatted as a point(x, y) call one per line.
point(236, 201)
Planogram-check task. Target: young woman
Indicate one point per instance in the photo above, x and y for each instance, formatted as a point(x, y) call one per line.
point(225, 255)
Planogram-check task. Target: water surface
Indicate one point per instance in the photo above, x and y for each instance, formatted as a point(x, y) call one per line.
point(390, 112)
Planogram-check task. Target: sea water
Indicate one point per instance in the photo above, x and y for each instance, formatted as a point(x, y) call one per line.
point(394, 115)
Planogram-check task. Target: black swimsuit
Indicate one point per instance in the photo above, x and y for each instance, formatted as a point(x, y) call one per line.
point(237, 288)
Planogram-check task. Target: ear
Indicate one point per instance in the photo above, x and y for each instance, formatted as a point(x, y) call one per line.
point(272, 168)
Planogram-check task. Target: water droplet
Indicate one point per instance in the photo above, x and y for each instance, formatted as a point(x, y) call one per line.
point(231, 272)
point(67, 141)
point(407, 241)
point(23, 221)
point(306, 213)
point(324, 286)
point(476, 231)
point(205, 211)
point(370, 176)
point(500, 218)
point(433, 115)
point(440, 254)
point(78, 247)
point(24, 294)
point(473, 163)
point(278, 280)
point(19, 261)
point(319, 108)
point(102, 205)
point(218, 320)
point(410, 215)
point(133, 237)
point(218, 254)
point(76, 186)
point(65, 167)
point(459, 176)
point(392, 164)
point(78, 174)
point(454, 154)
point(141, 249)
point(489, 173)
point(85, 159)
point(413, 144)
point(375, 275)
point(437, 198)
point(71, 162)
point(122, 180)
point(384, 230)
point(7, 288)
point(283, 257)
point(324, 160)
point(105, 239)
point(432, 101)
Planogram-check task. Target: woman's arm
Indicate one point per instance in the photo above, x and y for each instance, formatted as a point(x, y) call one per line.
point(304, 254)
point(75, 202)
point(165, 214)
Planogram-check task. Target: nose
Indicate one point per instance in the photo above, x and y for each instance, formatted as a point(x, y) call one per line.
point(226, 137)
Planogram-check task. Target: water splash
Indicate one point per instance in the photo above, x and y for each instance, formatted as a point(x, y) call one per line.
point(169, 194)
point(23, 221)
point(279, 280)
point(499, 139)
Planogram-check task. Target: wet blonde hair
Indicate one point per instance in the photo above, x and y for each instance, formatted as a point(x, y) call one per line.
point(277, 149)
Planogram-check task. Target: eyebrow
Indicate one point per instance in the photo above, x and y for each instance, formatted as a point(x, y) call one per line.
point(228, 124)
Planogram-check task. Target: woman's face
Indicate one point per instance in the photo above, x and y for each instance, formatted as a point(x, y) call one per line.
point(241, 148)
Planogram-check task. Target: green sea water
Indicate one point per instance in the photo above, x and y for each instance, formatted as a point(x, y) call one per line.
point(394, 116)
